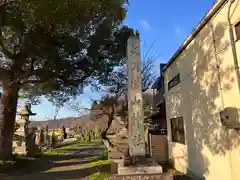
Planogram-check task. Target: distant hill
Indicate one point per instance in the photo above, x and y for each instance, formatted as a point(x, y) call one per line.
point(66, 122)
point(71, 122)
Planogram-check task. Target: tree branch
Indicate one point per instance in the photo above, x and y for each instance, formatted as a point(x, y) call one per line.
point(4, 3)
point(37, 81)
point(25, 75)
point(4, 49)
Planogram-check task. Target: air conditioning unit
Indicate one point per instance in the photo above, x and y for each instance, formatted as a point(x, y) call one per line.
point(230, 117)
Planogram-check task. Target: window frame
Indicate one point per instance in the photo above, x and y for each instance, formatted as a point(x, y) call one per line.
point(178, 132)
point(237, 30)
point(173, 82)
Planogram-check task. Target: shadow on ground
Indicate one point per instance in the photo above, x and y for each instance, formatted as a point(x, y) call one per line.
point(74, 164)
point(168, 168)
point(70, 174)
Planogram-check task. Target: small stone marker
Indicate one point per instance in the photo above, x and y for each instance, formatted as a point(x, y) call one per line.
point(45, 134)
point(38, 136)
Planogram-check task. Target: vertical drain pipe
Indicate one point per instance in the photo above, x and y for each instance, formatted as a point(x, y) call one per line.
point(217, 66)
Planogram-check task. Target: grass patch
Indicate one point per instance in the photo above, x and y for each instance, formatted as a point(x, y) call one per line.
point(4, 163)
point(105, 163)
point(62, 150)
point(99, 176)
point(55, 152)
point(65, 149)
point(100, 162)
point(104, 155)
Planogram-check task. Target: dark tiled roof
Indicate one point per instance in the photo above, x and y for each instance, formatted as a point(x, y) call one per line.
point(158, 83)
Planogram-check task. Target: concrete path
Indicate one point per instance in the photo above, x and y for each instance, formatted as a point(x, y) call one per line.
point(75, 164)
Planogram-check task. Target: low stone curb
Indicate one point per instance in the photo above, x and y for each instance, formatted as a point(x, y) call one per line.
point(163, 176)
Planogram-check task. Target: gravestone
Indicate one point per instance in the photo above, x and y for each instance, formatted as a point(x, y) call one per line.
point(53, 138)
point(32, 148)
point(42, 136)
point(45, 134)
point(50, 137)
point(38, 136)
point(136, 161)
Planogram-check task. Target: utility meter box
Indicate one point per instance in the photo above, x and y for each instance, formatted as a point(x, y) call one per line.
point(230, 117)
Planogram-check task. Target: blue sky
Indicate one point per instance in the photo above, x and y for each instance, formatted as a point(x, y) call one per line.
point(165, 24)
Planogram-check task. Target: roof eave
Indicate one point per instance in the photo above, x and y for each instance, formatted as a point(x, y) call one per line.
point(218, 5)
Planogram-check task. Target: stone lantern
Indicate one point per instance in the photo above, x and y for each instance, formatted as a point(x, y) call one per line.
point(21, 136)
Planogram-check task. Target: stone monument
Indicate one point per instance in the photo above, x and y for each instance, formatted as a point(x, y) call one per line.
point(135, 100)
point(23, 140)
point(136, 161)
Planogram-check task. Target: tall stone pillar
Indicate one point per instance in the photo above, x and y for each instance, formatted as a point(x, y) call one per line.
point(136, 164)
point(135, 99)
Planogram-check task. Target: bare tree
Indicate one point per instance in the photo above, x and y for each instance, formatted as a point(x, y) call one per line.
point(102, 111)
point(57, 109)
point(114, 100)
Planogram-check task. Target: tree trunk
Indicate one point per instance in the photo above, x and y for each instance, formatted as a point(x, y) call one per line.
point(104, 133)
point(8, 107)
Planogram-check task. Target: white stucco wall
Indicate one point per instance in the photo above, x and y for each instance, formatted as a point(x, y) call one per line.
point(211, 152)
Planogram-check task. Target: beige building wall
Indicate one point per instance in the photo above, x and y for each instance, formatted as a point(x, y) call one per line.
point(210, 151)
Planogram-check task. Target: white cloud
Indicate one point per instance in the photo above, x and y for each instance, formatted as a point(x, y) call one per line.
point(145, 24)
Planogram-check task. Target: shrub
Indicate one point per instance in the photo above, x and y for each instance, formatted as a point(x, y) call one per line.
point(87, 135)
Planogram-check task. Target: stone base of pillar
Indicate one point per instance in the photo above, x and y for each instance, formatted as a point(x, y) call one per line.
point(162, 176)
point(138, 165)
point(139, 160)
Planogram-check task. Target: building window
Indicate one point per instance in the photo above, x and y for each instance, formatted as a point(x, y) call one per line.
point(237, 30)
point(177, 128)
point(174, 81)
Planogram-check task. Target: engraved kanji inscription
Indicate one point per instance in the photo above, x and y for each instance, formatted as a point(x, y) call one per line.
point(135, 109)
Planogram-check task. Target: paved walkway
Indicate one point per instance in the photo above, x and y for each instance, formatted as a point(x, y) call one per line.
point(75, 164)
